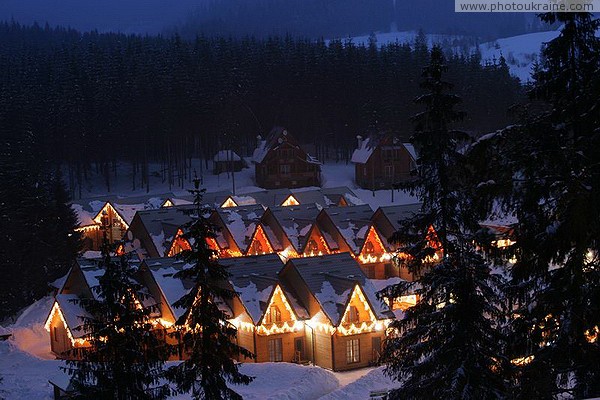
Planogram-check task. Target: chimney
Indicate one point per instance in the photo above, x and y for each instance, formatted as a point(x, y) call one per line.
point(359, 140)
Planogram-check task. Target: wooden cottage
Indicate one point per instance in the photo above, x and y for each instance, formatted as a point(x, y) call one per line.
point(238, 231)
point(291, 227)
point(270, 320)
point(65, 322)
point(382, 161)
point(347, 323)
point(280, 162)
point(152, 232)
point(227, 161)
point(386, 221)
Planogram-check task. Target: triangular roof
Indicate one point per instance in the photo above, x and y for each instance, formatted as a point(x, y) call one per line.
point(368, 145)
point(352, 223)
point(332, 279)
point(395, 214)
point(241, 223)
point(255, 279)
point(296, 222)
point(277, 137)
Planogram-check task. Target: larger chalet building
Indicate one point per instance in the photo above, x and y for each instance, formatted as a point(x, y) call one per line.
point(321, 310)
point(280, 162)
point(381, 161)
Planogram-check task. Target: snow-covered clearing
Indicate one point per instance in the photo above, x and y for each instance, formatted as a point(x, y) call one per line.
point(26, 366)
point(333, 175)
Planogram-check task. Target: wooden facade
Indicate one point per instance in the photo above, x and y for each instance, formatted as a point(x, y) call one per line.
point(291, 324)
point(381, 162)
point(280, 162)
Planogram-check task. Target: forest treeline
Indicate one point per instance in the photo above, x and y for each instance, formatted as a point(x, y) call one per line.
point(94, 99)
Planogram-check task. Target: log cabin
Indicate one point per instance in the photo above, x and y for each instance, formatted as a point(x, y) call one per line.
point(381, 161)
point(152, 232)
point(280, 162)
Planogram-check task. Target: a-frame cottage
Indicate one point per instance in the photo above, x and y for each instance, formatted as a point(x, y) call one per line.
point(386, 221)
point(280, 162)
point(381, 161)
point(271, 321)
point(347, 324)
point(65, 322)
point(290, 225)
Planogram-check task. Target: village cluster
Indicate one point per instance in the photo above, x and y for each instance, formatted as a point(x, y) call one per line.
point(305, 264)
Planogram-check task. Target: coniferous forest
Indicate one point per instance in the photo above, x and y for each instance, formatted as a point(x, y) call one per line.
point(92, 99)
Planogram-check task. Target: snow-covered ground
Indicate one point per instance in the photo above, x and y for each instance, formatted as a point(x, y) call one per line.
point(333, 175)
point(26, 366)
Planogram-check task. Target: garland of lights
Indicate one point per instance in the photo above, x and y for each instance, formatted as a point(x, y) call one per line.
point(370, 258)
point(260, 231)
point(56, 309)
point(98, 217)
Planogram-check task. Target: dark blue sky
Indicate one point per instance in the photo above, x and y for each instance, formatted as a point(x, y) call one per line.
point(138, 16)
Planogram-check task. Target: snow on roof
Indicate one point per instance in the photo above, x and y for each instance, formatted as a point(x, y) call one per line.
point(241, 222)
point(254, 300)
point(159, 242)
point(255, 278)
point(333, 303)
point(352, 223)
point(83, 217)
point(226, 155)
point(73, 312)
point(362, 154)
point(411, 150)
point(332, 278)
point(260, 152)
point(164, 270)
point(397, 214)
point(127, 211)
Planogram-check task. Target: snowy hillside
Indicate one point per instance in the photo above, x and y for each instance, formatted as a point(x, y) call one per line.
point(520, 52)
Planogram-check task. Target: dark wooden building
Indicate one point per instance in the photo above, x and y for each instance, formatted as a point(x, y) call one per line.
point(382, 161)
point(280, 162)
point(227, 161)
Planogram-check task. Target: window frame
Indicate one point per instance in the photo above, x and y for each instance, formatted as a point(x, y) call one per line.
point(352, 351)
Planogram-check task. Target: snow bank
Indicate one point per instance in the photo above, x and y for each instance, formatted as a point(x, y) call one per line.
point(285, 381)
point(361, 388)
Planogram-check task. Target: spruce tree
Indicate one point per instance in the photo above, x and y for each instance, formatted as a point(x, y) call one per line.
point(447, 346)
point(209, 337)
point(126, 356)
point(552, 176)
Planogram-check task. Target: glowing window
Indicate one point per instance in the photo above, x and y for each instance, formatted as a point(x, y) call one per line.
point(273, 315)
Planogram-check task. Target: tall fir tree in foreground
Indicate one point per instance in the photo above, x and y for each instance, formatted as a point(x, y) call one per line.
point(127, 354)
point(550, 176)
point(448, 345)
point(35, 214)
point(209, 338)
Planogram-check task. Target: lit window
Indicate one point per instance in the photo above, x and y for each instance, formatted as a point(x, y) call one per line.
point(275, 350)
point(352, 351)
point(273, 315)
point(257, 247)
point(369, 248)
point(313, 248)
point(352, 315)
